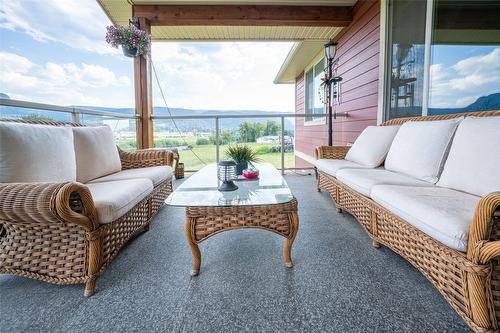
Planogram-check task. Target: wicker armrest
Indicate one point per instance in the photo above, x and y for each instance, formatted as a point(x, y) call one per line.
point(484, 235)
point(47, 203)
point(331, 152)
point(146, 158)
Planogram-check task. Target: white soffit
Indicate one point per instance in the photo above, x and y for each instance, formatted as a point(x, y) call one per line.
point(297, 59)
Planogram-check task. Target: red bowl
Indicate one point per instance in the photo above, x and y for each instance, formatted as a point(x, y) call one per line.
point(250, 175)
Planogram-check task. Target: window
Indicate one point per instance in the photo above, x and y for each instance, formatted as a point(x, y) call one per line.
point(406, 49)
point(465, 57)
point(314, 105)
point(461, 40)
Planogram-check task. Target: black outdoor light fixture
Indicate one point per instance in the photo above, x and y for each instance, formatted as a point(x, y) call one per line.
point(333, 86)
point(226, 173)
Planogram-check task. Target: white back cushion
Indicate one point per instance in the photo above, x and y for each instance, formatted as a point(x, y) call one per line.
point(96, 153)
point(473, 164)
point(36, 153)
point(420, 147)
point(372, 145)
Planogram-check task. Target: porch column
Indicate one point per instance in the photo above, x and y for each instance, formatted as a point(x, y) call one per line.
point(143, 94)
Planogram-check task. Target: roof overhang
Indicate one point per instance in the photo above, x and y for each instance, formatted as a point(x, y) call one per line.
point(280, 20)
point(297, 59)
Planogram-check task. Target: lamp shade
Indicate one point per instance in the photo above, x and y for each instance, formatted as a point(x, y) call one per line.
point(226, 172)
point(330, 50)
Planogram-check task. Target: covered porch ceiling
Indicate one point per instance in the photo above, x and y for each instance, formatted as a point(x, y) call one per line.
point(274, 20)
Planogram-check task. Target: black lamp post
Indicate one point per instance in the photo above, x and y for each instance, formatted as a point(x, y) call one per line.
point(330, 50)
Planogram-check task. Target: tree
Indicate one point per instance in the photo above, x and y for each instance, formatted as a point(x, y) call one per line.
point(271, 128)
point(246, 132)
point(226, 137)
point(36, 117)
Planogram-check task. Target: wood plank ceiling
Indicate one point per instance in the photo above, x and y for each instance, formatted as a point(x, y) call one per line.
point(279, 20)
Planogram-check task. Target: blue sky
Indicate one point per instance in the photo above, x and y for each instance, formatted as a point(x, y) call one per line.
point(460, 74)
point(54, 52)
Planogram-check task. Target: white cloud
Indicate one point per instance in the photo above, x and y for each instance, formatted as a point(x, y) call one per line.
point(461, 84)
point(226, 75)
point(63, 84)
point(73, 23)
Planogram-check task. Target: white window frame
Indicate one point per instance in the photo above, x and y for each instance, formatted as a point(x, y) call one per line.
point(318, 120)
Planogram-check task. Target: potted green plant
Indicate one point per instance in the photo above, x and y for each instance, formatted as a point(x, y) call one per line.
point(134, 41)
point(242, 155)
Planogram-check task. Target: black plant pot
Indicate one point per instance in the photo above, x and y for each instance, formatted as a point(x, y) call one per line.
point(131, 52)
point(240, 167)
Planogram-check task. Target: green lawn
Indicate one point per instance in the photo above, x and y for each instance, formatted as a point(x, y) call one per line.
point(207, 152)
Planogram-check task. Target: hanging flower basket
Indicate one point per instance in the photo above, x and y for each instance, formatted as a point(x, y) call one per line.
point(134, 42)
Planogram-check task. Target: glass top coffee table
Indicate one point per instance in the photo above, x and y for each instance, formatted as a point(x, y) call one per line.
point(264, 203)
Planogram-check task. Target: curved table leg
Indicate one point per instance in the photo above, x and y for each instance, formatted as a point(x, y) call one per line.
point(287, 247)
point(195, 250)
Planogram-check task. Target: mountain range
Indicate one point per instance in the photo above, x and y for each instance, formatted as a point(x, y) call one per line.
point(483, 103)
point(198, 125)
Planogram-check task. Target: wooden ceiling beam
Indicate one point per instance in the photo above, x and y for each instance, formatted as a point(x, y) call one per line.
point(244, 15)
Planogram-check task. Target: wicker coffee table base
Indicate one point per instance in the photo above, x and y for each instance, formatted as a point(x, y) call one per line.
point(204, 222)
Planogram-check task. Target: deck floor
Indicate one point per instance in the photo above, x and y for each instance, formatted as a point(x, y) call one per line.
point(340, 283)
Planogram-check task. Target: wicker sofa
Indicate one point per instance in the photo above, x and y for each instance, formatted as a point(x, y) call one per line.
point(67, 231)
point(467, 271)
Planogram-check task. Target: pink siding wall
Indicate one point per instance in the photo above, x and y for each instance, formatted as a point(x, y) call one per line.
point(358, 54)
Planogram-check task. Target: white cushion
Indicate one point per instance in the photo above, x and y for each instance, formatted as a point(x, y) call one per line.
point(156, 174)
point(443, 214)
point(473, 164)
point(420, 147)
point(96, 153)
point(363, 180)
point(372, 145)
point(36, 153)
point(331, 166)
point(115, 198)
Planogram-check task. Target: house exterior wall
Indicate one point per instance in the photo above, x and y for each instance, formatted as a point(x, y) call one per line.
point(358, 53)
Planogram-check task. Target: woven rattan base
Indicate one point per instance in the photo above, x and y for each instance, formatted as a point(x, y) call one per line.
point(204, 222)
point(450, 271)
point(65, 253)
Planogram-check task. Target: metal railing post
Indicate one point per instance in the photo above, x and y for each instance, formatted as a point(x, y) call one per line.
point(75, 116)
point(282, 145)
point(217, 142)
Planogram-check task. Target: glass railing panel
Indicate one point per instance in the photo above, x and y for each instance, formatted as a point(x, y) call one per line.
point(290, 142)
point(263, 135)
point(124, 129)
point(14, 112)
point(194, 139)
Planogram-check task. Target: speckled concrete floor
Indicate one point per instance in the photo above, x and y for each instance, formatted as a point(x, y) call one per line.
point(340, 283)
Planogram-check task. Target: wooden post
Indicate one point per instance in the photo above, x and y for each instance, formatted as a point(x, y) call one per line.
point(143, 94)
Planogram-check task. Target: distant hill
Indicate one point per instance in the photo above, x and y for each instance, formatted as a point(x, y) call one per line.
point(199, 125)
point(5, 96)
point(483, 103)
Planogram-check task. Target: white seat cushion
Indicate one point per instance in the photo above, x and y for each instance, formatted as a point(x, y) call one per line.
point(115, 198)
point(96, 153)
point(419, 148)
point(443, 214)
point(36, 153)
point(473, 164)
point(372, 145)
point(331, 166)
point(156, 174)
point(363, 180)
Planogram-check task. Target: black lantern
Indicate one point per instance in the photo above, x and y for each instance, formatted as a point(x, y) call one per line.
point(226, 172)
point(330, 50)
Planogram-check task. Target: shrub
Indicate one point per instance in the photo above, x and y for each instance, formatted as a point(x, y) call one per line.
point(202, 141)
point(262, 150)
